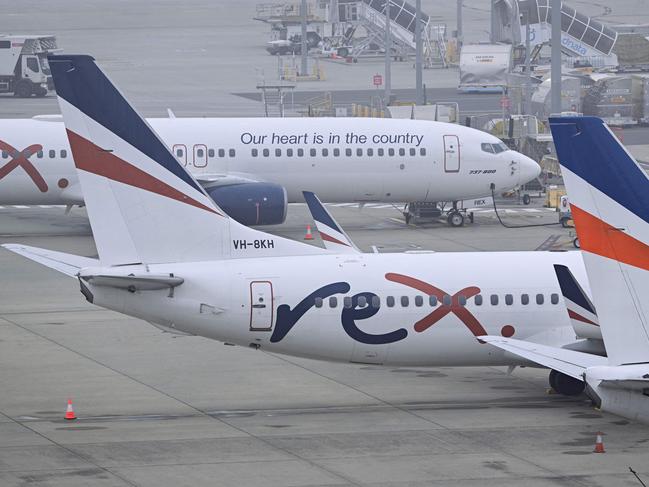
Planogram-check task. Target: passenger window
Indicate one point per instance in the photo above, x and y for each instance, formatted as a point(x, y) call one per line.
point(278, 152)
point(336, 152)
point(413, 151)
point(266, 152)
point(404, 301)
point(446, 300)
point(325, 152)
point(494, 300)
point(39, 154)
point(362, 301)
point(422, 151)
point(390, 151)
point(52, 154)
point(312, 152)
point(525, 299)
point(554, 298)
point(64, 154)
point(487, 148)
point(390, 301)
point(210, 152)
point(419, 301)
point(402, 151)
point(370, 152)
point(432, 300)
point(509, 299)
point(5, 154)
point(348, 152)
point(462, 300)
point(179, 153)
point(289, 152)
point(254, 152)
point(199, 153)
point(376, 302)
point(318, 302)
point(232, 153)
point(381, 152)
point(333, 301)
point(347, 302)
point(539, 299)
point(300, 152)
point(359, 152)
point(478, 300)
point(221, 152)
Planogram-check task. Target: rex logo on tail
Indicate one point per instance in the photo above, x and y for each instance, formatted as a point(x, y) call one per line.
point(609, 196)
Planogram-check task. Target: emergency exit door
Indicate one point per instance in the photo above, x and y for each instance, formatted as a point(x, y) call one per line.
point(261, 306)
point(451, 153)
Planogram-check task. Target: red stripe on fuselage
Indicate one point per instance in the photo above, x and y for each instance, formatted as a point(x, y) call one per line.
point(91, 158)
point(600, 238)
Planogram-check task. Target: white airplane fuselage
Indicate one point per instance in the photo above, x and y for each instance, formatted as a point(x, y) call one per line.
point(263, 303)
point(342, 160)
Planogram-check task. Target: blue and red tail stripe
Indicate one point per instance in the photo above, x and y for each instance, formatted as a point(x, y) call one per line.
point(588, 149)
point(318, 213)
point(80, 82)
point(571, 289)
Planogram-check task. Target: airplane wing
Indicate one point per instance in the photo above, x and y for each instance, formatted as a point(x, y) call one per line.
point(67, 264)
point(333, 236)
point(565, 361)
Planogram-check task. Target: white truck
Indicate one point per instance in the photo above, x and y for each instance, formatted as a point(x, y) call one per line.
point(24, 70)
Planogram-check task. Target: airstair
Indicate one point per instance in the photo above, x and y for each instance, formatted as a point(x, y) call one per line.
point(581, 36)
point(370, 15)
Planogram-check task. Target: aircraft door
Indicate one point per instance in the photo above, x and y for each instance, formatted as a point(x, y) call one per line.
point(180, 151)
point(200, 155)
point(261, 306)
point(451, 153)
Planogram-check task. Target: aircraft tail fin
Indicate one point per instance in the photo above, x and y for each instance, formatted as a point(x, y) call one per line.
point(609, 199)
point(143, 205)
point(581, 310)
point(332, 234)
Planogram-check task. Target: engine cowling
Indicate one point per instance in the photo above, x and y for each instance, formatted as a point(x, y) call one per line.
point(252, 203)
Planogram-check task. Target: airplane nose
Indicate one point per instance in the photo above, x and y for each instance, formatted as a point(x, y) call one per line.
point(528, 169)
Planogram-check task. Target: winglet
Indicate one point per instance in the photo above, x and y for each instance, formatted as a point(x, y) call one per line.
point(332, 234)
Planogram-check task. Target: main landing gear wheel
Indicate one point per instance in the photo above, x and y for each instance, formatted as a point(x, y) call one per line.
point(526, 199)
point(566, 385)
point(455, 219)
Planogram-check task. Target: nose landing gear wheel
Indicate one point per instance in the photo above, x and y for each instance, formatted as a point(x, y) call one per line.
point(455, 219)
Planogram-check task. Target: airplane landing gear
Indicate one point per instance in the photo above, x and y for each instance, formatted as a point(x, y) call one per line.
point(566, 385)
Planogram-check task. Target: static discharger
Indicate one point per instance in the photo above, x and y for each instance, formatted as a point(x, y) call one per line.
point(69, 412)
point(309, 235)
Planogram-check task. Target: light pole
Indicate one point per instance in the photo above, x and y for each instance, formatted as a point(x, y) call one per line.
point(555, 82)
point(304, 47)
point(419, 80)
point(388, 60)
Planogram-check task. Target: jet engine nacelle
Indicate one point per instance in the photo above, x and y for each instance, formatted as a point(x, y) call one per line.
point(252, 203)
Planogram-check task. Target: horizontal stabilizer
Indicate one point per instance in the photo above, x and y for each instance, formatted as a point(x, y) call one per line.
point(132, 282)
point(565, 361)
point(332, 234)
point(66, 263)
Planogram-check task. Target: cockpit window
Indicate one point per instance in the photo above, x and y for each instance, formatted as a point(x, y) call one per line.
point(487, 148)
point(494, 148)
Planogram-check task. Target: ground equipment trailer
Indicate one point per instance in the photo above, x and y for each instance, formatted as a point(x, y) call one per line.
point(24, 70)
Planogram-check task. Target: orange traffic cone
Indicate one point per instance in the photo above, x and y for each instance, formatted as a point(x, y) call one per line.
point(309, 235)
point(69, 412)
point(599, 444)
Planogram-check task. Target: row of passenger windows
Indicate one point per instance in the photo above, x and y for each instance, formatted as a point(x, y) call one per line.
point(40, 154)
point(404, 301)
point(336, 152)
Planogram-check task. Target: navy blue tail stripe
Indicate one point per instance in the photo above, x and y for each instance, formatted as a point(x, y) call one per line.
point(318, 212)
point(80, 82)
point(571, 289)
point(588, 149)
